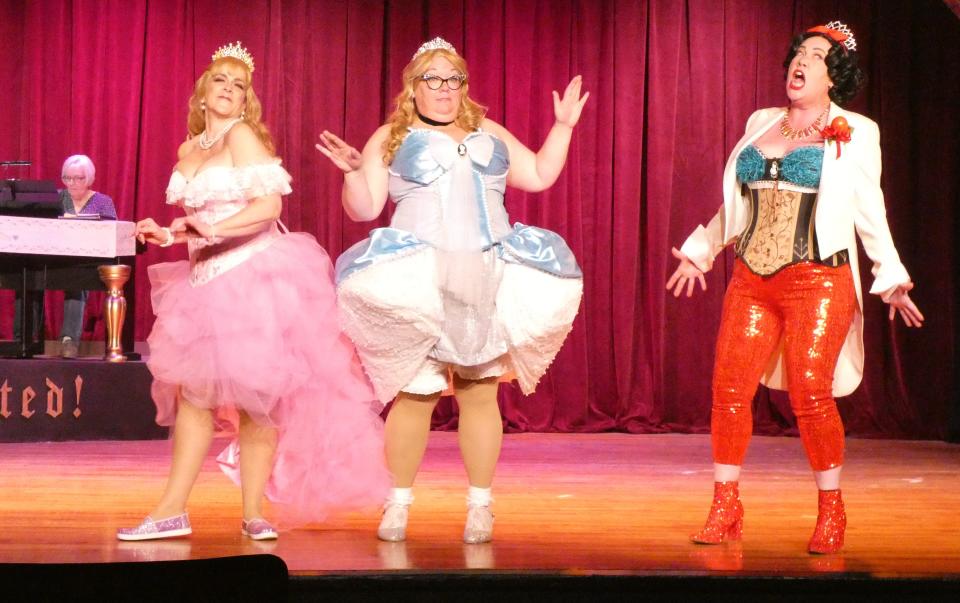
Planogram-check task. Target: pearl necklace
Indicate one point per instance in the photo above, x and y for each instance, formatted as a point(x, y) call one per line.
point(207, 143)
point(791, 134)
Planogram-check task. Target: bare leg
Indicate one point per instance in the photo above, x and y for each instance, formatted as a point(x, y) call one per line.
point(258, 443)
point(406, 433)
point(726, 473)
point(829, 479)
point(481, 428)
point(192, 434)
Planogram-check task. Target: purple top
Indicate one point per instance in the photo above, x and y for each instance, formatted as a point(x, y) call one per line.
point(99, 204)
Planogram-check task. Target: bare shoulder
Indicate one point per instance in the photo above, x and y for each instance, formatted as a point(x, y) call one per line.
point(381, 134)
point(245, 146)
point(494, 128)
point(185, 148)
point(376, 143)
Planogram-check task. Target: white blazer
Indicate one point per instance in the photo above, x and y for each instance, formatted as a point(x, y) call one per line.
point(850, 203)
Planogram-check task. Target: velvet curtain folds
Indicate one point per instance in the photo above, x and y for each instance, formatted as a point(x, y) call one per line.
point(671, 83)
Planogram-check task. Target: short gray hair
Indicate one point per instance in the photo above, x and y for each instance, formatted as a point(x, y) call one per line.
point(84, 163)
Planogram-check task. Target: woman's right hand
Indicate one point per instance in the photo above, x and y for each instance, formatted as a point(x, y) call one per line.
point(148, 231)
point(685, 275)
point(339, 152)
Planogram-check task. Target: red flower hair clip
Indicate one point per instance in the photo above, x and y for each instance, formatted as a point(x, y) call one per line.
point(838, 131)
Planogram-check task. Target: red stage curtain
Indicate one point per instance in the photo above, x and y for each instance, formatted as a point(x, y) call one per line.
point(672, 84)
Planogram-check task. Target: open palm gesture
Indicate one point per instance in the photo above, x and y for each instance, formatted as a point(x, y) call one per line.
point(567, 109)
point(339, 152)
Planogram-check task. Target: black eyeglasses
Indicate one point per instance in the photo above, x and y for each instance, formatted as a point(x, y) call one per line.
point(434, 82)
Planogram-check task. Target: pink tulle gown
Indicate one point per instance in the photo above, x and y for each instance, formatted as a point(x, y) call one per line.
point(250, 324)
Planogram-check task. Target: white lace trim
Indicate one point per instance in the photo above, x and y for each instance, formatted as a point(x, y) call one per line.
point(205, 270)
point(223, 183)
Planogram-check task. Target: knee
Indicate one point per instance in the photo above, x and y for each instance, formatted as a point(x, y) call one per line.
point(481, 393)
point(813, 404)
point(732, 399)
point(254, 429)
point(414, 404)
point(187, 411)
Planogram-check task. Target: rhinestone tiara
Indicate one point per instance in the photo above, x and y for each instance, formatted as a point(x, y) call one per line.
point(435, 44)
point(236, 51)
point(838, 32)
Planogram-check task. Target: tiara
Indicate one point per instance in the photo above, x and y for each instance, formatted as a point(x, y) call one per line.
point(838, 32)
point(235, 51)
point(435, 44)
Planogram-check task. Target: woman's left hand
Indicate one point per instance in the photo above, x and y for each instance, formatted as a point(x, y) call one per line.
point(900, 302)
point(567, 109)
point(192, 227)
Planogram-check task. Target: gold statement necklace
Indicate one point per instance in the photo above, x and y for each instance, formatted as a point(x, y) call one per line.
point(792, 134)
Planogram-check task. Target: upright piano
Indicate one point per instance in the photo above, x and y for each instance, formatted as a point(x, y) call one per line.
point(40, 253)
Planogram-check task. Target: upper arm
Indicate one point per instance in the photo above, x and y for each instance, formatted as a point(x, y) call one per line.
point(246, 149)
point(523, 162)
point(374, 170)
point(870, 159)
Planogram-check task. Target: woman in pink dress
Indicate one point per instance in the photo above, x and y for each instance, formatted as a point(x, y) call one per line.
point(246, 337)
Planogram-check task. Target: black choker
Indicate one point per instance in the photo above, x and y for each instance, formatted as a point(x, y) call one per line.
point(433, 122)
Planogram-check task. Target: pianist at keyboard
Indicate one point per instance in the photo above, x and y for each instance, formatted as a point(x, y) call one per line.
point(79, 200)
point(246, 331)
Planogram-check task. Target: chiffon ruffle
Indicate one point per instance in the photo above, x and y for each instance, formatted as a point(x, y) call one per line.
point(263, 338)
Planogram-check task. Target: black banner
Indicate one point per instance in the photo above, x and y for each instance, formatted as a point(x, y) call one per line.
point(53, 400)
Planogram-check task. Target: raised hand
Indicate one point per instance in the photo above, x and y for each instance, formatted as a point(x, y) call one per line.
point(340, 153)
point(686, 274)
point(567, 109)
point(900, 302)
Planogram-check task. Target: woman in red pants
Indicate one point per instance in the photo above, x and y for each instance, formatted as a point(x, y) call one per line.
point(797, 191)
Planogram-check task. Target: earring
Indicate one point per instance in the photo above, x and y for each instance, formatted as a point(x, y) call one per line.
point(243, 114)
point(203, 105)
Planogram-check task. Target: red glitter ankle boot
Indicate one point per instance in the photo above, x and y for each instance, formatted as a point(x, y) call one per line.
point(725, 521)
point(831, 523)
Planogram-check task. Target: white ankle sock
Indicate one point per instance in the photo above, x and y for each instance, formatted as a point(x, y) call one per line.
point(479, 497)
point(400, 496)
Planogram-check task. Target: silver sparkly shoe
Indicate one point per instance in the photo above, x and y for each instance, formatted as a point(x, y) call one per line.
point(479, 528)
point(393, 524)
point(258, 529)
point(150, 529)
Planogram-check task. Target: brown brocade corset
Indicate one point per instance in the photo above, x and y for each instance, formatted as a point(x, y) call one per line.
point(781, 227)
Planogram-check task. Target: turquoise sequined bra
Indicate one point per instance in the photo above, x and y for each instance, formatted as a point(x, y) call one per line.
point(800, 166)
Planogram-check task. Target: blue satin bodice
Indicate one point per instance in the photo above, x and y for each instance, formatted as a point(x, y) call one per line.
point(430, 174)
point(434, 179)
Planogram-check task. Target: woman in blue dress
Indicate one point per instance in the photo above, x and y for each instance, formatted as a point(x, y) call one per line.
point(451, 296)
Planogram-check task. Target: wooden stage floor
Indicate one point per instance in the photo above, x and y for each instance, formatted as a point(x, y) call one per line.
point(565, 504)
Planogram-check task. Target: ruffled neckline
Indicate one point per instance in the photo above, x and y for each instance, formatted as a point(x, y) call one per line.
point(228, 183)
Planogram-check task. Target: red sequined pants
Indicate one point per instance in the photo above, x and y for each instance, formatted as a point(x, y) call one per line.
point(810, 306)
